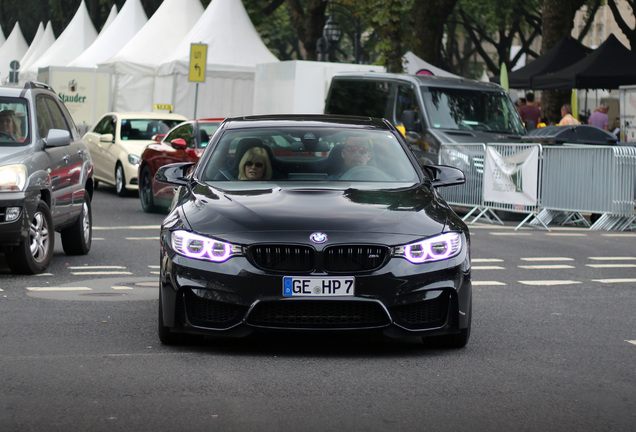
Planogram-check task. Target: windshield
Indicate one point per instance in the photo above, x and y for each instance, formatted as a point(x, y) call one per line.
point(462, 109)
point(310, 154)
point(145, 129)
point(14, 121)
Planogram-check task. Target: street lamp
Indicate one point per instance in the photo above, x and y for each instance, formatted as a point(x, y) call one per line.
point(332, 33)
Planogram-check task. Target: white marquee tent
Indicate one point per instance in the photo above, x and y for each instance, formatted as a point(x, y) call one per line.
point(75, 38)
point(113, 37)
point(234, 48)
point(413, 64)
point(13, 48)
point(2, 38)
point(134, 65)
point(38, 47)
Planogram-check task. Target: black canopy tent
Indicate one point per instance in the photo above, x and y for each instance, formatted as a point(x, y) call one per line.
point(609, 66)
point(563, 54)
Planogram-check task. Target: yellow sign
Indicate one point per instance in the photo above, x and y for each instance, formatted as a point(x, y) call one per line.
point(198, 59)
point(163, 107)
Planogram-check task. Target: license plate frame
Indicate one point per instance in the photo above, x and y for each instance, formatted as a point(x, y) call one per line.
point(318, 286)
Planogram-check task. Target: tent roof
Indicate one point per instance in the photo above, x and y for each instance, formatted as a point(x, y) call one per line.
point(609, 66)
point(12, 49)
point(2, 39)
point(230, 35)
point(123, 28)
point(563, 54)
point(413, 64)
point(158, 38)
point(75, 38)
point(109, 20)
point(37, 48)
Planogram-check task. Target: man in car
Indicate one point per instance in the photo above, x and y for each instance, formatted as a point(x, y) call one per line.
point(356, 152)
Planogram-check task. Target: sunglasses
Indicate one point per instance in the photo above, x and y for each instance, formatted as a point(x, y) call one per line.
point(359, 149)
point(256, 164)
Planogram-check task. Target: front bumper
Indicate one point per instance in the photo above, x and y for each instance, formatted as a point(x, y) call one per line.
point(12, 232)
point(236, 299)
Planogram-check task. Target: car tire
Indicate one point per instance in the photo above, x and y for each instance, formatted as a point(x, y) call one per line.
point(34, 253)
point(145, 191)
point(120, 181)
point(77, 239)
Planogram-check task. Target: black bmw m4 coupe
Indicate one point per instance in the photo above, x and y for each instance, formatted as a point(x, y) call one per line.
point(313, 223)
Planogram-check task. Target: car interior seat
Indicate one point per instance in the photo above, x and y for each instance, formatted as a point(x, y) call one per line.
point(203, 138)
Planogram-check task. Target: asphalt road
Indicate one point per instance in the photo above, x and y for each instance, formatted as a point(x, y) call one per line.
point(553, 347)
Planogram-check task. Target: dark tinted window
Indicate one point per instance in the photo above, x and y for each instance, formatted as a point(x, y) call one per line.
point(358, 97)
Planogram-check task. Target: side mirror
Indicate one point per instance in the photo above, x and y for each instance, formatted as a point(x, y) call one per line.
point(174, 173)
point(179, 143)
point(443, 175)
point(57, 138)
point(106, 138)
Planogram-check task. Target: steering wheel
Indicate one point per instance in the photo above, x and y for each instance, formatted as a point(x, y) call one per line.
point(366, 173)
point(8, 135)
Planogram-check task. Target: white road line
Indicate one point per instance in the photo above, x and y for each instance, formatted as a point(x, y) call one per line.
point(547, 259)
point(481, 260)
point(611, 265)
point(566, 234)
point(488, 268)
point(613, 258)
point(38, 289)
point(95, 267)
point(619, 235)
point(156, 266)
point(142, 238)
point(549, 282)
point(137, 227)
point(509, 234)
point(115, 287)
point(546, 267)
point(44, 274)
point(1, 290)
point(486, 283)
point(92, 273)
point(633, 342)
point(625, 280)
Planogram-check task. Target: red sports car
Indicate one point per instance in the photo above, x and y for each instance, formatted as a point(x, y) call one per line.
point(183, 143)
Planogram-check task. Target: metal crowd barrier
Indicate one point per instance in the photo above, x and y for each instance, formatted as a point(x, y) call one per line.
point(572, 179)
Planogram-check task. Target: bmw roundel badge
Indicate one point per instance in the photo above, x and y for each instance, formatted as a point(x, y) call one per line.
point(318, 237)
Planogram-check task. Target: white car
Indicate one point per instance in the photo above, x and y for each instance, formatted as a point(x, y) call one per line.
point(117, 141)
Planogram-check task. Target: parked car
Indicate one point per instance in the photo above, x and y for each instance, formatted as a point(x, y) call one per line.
point(353, 237)
point(429, 110)
point(573, 134)
point(46, 179)
point(184, 143)
point(117, 140)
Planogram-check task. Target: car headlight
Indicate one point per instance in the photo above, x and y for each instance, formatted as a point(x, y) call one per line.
point(436, 248)
point(13, 178)
point(133, 159)
point(199, 247)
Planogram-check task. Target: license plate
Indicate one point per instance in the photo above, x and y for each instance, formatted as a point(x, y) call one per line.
point(318, 286)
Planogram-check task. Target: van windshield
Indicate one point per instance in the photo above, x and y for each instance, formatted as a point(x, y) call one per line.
point(462, 109)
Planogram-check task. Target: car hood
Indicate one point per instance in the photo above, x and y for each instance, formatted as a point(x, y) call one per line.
point(293, 213)
point(474, 136)
point(14, 154)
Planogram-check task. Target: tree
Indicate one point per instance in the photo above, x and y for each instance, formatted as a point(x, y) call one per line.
point(429, 19)
point(625, 28)
point(308, 22)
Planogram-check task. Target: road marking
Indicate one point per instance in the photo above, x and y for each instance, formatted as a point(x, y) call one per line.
point(138, 227)
point(509, 234)
point(613, 258)
point(142, 238)
point(625, 280)
point(633, 342)
point(40, 289)
point(95, 267)
point(479, 260)
point(546, 267)
point(488, 268)
point(611, 265)
point(482, 283)
point(93, 273)
point(549, 282)
point(1, 290)
point(547, 259)
point(566, 234)
point(115, 287)
point(156, 266)
point(619, 235)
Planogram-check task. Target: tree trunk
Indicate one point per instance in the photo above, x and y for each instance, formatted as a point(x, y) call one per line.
point(429, 18)
point(558, 21)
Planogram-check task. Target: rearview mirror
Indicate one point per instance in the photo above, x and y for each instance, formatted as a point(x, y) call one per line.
point(174, 173)
point(443, 175)
point(179, 143)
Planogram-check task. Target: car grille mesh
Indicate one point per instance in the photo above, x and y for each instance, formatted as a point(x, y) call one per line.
point(344, 258)
point(425, 314)
point(318, 314)
point(283, 257)
point(211, 313)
